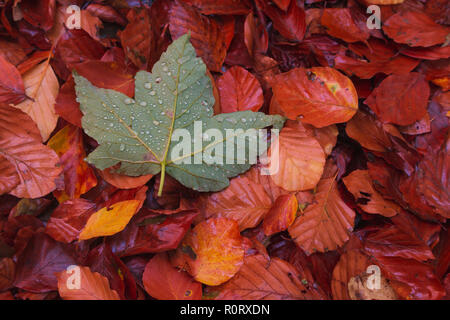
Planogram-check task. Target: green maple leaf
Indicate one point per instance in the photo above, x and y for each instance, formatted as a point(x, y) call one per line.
point(138, 133)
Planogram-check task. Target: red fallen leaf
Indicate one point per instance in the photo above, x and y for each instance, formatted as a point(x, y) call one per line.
point(325, 224)
point(259, 279)
point(68, 219)
point(66, 105)
point(366, 70)
point(106, 13)
point(400, 99)
point(256, 37)
point(7, 273)
point(12, 52)
point(152, 233)
point(291, 23)
point(215, 249)
point(415, 29)
point(300, 160)
point(9, 178)
point(12, 90)
point(36, 58)
point(108, 75)
point(430, 53)
point(281, 215)
point(206, 35)
point(359, 184)
point(33, 207)
point(40, 14)
point(391, 241)
point(35, 163)
point(243, 200)
point(340, 24)
point(102, 260)
point(430, 183)
point(76, 46)
point(164, 282)
point(122, 181)
point(78, 176)
point(239, 91)
point(93, 286)
point(39, 262)
point(137, 38)
point(319, 96)
point(219, 7)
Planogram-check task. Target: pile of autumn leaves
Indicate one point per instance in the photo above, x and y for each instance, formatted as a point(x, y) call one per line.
point(309, 231)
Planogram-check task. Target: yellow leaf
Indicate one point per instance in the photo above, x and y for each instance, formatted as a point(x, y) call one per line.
point(41, 85)
point(110, 220)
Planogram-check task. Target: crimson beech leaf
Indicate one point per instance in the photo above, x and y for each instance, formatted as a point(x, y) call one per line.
point(138, 133)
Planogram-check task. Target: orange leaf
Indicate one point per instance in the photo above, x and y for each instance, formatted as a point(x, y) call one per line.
point(218, 249)
point(93, 286)
point(260, 279)
point(325, 224)
point(79, 178)
point(319, 96)
point(243, 200)
point(351, 263)
point(110, 220)
point(165, 282)
point(359, 184)
point(42, 86)
point(300, 160)
point(239, 91)
point(281, 215)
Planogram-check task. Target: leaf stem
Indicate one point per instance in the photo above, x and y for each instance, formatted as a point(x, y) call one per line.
point(163, 176)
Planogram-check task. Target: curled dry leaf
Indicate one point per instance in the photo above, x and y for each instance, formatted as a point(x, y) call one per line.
point(41, 86)
point(276, 279)
point(319, 96)
point(110, 220)
point(325, 224)
point(92, 285)
point(165, 282)
point(217, 251)
point(239, 91)
point(244, 201)
point(360, 185)
point(281, 215)
point(300, 160)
